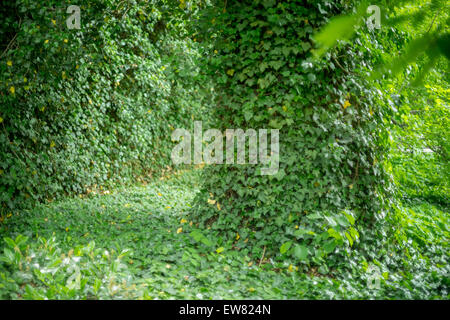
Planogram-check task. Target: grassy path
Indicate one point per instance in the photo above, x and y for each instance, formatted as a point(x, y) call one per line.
point(135, 243)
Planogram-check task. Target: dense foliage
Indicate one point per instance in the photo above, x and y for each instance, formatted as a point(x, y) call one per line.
point(427, 21)
point(332, 125)
point(422, 147)
point(84, 108)
point(358, 209)
point(99, 248)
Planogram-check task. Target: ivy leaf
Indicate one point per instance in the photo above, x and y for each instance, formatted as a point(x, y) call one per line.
point(329, 246)
point(219, 250)
point(301, 252)
point(285, 247)
point(306, 46)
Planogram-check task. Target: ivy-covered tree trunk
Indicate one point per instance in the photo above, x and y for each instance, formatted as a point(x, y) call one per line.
point(81, 108)
point(330, 180)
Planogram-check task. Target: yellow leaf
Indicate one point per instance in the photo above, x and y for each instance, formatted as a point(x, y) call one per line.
point(251, 289)
point(230, 72)
point(1, 119)
point(211, 201)
point(346, 104)
point(183, 221)
point(351, 186)
point(218, 206)
point(54, 22)
point(290, 268)
point(250, 263)
point(296, 227)
point(179, 230)
point(25, 79)
point(52, 144)
point(46, 41)
point(237, 236)
point(9, 63)
point(371, 112)
point(12, 89)
point(159, 194)
point(65, 40)
point(219, 250)
point(67, 229)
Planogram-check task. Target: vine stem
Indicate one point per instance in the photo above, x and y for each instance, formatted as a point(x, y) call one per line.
point(262, 258)
point(434, 19)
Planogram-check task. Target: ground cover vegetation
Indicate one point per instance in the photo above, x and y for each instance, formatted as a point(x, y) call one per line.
point(92, 207)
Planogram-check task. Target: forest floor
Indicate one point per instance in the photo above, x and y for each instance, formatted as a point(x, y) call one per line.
point(135, 243)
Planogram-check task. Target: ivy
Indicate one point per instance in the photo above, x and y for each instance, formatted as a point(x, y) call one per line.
point(333, 134)
point(90, 107)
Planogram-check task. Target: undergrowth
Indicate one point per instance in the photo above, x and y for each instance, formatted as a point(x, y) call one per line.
point(139, 243)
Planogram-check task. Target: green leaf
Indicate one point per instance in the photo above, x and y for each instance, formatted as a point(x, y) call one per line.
point(285, 247)
point(339, 28)
point(329, 246)
point(349, 237)
point(300, 252)
point(219, 250)
point(10, 242)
